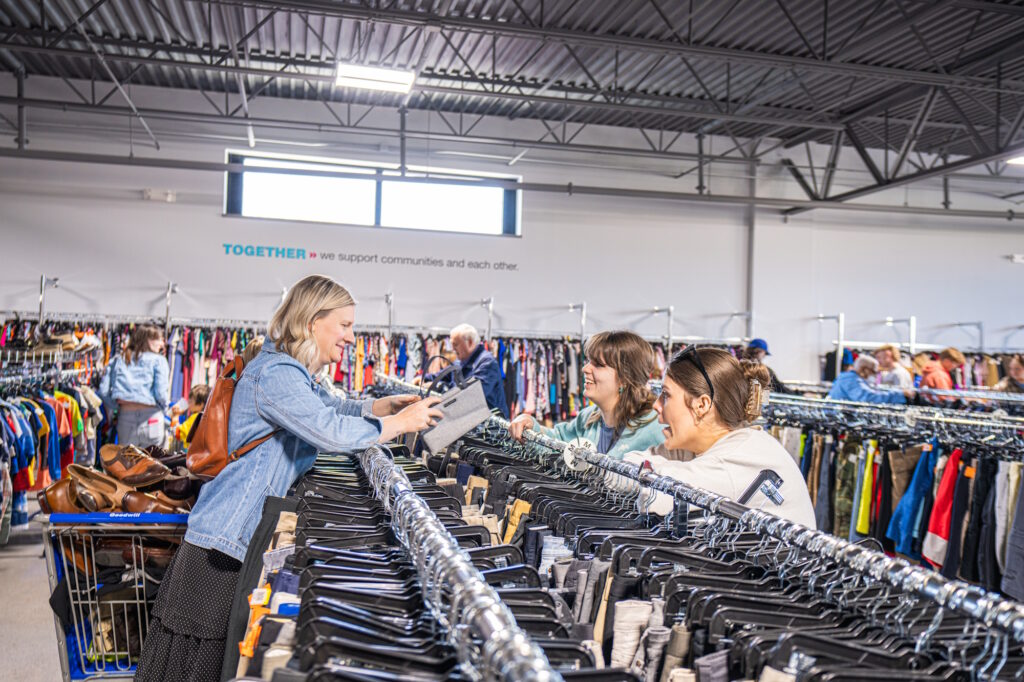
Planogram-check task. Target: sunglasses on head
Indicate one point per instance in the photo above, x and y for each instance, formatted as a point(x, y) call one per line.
point(690, 353)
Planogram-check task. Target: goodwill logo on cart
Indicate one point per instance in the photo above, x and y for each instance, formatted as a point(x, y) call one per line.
point(275, 252)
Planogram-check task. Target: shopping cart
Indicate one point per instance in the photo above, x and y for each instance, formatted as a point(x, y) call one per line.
point(110, 565)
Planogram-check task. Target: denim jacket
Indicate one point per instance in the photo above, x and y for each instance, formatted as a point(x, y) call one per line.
point(274, 391)
point(143, 381)
point(850, 386)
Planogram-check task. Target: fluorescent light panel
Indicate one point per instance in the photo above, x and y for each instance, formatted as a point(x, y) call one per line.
point(374, 78)
point(1016, 161)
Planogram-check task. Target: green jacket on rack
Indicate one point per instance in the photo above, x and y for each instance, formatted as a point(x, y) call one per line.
point(648, 435)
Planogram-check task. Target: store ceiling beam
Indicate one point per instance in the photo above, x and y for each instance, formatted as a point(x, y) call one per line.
point(800, 179)
point(927, 174)
point(1006, 49)
point(910, 141)
point(35, 38)
point(996, 7)
point(194, 58)
point(237, 69)
point(321, 127)
point(435, 21)
point(865, 157)
point(569, 188)
point(633, 108)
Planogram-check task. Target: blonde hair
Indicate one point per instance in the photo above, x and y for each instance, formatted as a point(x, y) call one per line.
point(308, 300)
point(892, 348)
point(954, 355)
point(252, 349)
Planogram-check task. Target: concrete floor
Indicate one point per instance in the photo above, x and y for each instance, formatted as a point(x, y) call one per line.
point(28, 638)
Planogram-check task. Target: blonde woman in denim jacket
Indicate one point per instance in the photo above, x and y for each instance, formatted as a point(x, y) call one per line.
point(275, 394)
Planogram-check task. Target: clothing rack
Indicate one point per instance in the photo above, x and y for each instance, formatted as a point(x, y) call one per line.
point(94, 318)
point(958, 596)
point(102, 319)
point(106, 319)
point(475, 610)
point(49, 357)
point(60, 375)
point(970, 600)
point(976, 393)
point(908, 412)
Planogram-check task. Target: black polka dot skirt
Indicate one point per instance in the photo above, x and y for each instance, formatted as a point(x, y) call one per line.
point(189, 624)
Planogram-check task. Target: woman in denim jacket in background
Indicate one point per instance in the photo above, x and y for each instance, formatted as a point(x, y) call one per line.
point(137, 382)
point(310, 330)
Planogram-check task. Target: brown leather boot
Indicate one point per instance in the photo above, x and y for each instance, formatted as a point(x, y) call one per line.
point(131, 465)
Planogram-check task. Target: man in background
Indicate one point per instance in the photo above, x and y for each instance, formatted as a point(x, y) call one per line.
point(856, 385)
point(756, 351)
point(938, 374)
point(474, 361)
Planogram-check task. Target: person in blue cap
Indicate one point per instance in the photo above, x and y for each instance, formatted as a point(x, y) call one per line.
point(756, 351)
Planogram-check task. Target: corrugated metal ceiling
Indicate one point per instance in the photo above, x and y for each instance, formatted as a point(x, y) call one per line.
point(514, 48)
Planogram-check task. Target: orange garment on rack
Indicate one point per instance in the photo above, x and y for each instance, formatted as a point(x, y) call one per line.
point(933, 375)
point(357, 371)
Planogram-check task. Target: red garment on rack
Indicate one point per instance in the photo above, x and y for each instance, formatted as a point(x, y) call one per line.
point(941, 520)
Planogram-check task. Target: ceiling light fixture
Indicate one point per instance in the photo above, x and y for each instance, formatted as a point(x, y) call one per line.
point(374, 78)
point(1016, 161)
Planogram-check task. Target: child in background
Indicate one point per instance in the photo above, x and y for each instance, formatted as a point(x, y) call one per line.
point(197, 398)
point(252, 349)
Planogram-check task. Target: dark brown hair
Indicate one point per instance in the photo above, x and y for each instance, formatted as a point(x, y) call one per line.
point(632, 358)
point(750, 353)
point(138, 343)
point(737, 400)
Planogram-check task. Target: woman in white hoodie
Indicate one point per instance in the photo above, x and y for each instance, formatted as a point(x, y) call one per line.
point(707, 403)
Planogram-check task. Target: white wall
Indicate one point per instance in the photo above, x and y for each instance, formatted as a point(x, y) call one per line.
point(115, 252)
point(872, 267)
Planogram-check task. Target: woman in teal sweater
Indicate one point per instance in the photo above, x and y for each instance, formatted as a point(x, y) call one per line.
point(621, 418)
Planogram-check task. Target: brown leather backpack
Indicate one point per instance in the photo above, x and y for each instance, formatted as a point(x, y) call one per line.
point(208, 449)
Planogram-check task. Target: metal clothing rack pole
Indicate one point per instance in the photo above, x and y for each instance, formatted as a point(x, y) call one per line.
point(670, 313)
point(973, 393)
point(918, 413)
point(58, 374)
point(99, 318)
point(840, 320)
point(216, 322)
point(875, 345)
point(582, 308)
point(443, 331)
point(970, 600)
point(49, 357)
point(102, 318)
point(977, 393)
point(44, 284)
point(475, 609)
point(94, 318)
point(911, 331)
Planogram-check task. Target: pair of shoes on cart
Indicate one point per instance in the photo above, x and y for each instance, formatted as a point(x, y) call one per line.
point(132, 481)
